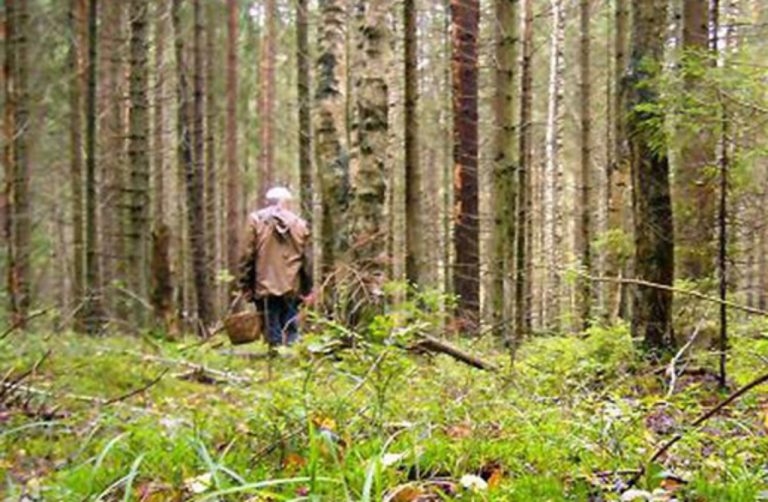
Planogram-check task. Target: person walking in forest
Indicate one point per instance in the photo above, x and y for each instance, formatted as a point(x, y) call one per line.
point(276, 267)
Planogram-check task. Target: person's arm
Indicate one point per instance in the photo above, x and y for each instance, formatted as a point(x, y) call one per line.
point(247, 275)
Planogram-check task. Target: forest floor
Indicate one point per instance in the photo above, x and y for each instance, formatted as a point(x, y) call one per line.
point(142, 418)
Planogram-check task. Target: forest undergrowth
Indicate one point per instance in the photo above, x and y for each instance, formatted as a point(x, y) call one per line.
point(147, 419)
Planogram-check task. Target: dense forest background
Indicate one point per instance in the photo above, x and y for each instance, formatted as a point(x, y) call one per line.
point(518, 154)
point(567, 197)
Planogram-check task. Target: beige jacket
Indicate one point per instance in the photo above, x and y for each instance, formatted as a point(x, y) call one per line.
point(277, 261)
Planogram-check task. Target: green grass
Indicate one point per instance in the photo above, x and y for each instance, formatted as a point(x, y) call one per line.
point(304, 426)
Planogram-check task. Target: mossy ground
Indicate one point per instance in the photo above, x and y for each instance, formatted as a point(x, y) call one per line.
point(356, 426)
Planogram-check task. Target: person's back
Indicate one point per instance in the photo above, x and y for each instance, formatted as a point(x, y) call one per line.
point(276, 266)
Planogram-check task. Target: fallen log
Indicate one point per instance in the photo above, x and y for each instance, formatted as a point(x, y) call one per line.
point(432, 344)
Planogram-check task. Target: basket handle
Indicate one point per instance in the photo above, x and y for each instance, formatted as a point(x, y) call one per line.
point(235, 303)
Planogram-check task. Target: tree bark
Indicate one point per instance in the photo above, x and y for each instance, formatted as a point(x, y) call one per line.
point(211, 117)
point(654, 231)
point(77, 20)
point(522, 234)
point(161, 280)
point(192, 157)
point(331, 150)
point(584, 233)
point(414, 237)
point(695, 186)
point(138, 159)
point(369, 226)
point(267, 99)
point(19, 287)
point(553, 171)
point(504, 158)
point(618, 175)
point(305, 108)
point(233, 169)
point(465, 17)
point(93, 312)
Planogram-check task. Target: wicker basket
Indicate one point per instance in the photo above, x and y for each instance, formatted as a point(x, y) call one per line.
point(243, 327)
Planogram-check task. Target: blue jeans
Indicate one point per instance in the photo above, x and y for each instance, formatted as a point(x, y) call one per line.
point(281, 319)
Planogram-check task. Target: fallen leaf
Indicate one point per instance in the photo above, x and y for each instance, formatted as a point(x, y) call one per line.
point(473, 483)
point(389, 459)
point(459, 431)
point(408, 494)
point(198, 484)
point(293, 462)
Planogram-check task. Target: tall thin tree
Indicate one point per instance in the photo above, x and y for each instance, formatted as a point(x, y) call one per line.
point(525, 153)
point(77, 22)
point(305, 107)
point(233, 169)
point(93, 312)
point(553, 169)
point(331, 146)
point(505, 94)
point(267, 97)
point(414, 241)
point(584, 233)
point(138, 159)
point(465, 18)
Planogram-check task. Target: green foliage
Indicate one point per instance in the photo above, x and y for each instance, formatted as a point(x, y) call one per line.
point(356, 423)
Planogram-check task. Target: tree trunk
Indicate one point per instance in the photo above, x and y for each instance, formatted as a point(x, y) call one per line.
point(414, 237)
point(233, 169)
point(138, 159)
point(654, 232)
point(305, 108)
point(161, 280)
point(332, 155)
point(93, 312)
point(465, 16)
point(553, 172)
point(77, 20)
point(504, 158)
point(267, 99)
point(19, 287)
point(584, 232)
point(369, 226)
point(112, 188)
point(522, 287)
point(211, 117)
point(618, 176)
point(193, 160)
point(695, 186)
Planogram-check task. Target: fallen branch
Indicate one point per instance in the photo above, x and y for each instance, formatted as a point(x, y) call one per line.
point(134, 392)
point(21, 322)
point(435, 345)
point(688, 292)
point(703, 418)
point(671, 372)
point(225, 375)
